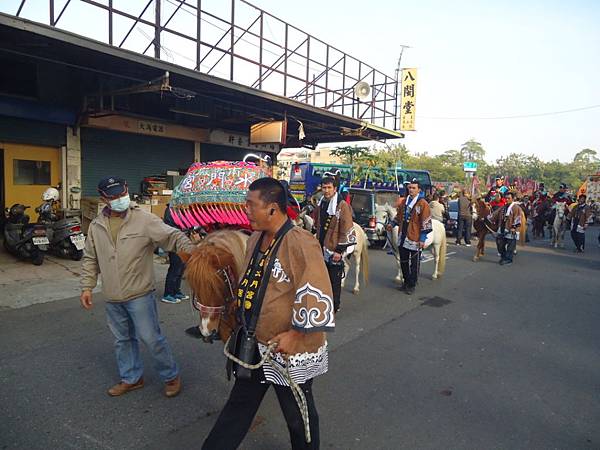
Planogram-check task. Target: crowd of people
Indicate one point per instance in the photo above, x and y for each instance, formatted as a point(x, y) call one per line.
point(294, 274)
point(537, 207)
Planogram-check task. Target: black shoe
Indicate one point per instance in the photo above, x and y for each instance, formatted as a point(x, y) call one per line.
point(410, 290)
point(505, 262)
point(194, 332)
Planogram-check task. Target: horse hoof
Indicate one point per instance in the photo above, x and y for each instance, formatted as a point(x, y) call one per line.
point(398, 280)
point(475, 258)
point(434, 277)
point(355, 291)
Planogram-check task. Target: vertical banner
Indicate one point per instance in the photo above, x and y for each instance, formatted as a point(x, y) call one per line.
point(408, 99)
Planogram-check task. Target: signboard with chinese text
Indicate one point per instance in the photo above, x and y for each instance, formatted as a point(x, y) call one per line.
point(223, 137)
point(470, 166)
point(408, 99)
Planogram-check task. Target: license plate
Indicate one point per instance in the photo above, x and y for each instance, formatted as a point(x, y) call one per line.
point(78, 241)
point(40, 241)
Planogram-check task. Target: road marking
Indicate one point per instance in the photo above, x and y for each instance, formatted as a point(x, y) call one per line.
point(430, 257)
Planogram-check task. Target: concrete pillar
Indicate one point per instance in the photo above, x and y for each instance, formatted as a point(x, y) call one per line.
point(73, 182)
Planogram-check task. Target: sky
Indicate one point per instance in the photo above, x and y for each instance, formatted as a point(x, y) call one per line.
point(476, 60)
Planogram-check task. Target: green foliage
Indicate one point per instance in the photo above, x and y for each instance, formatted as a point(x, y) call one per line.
point(350, 154)
point(449, 165)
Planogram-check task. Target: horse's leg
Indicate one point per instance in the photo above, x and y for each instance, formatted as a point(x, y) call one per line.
point(393, 236)
point(435, 249)
point(478, 253)
point(346, 268)
point(357, 256)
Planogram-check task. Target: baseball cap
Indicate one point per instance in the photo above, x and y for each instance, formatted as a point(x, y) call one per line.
point(112, 187)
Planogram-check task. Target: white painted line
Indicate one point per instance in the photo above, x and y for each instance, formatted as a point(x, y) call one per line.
point(430, 257)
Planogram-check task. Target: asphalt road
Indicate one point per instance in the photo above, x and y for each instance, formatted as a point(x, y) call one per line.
point(487, 357)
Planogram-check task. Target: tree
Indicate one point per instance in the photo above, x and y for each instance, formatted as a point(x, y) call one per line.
point(472, 151)
point(392, 155)
point(587, 156)
point(585, 162)
point(350, 153)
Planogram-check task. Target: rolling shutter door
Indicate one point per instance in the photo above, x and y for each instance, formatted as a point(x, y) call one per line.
point(130, 156)
point(32, 132)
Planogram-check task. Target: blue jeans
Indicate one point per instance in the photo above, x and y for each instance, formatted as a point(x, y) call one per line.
point(174, 274)
point(133, 321)
point(464, 228)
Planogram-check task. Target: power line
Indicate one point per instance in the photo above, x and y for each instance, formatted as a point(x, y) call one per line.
point(521, 116)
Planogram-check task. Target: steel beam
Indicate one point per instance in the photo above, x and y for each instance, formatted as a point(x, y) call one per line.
point(157, 29)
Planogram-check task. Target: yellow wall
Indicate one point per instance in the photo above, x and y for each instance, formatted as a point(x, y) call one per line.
point(30, 195)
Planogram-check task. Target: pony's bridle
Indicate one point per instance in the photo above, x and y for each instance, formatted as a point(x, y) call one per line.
point(227, 275)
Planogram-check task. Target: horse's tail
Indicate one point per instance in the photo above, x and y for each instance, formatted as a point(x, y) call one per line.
point(523, 229)
point(364, 259)
point(442, 256)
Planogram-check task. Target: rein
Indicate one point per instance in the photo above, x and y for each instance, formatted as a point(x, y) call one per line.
point(227, 274)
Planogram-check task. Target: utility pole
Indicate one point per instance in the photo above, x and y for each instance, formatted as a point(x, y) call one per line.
point(402, 48)
point(398, 68)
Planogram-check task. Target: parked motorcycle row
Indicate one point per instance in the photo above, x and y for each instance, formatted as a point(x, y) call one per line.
point(31, 241)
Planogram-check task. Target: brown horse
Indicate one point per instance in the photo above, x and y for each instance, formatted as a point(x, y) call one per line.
point(213, 271)
point(483, 226)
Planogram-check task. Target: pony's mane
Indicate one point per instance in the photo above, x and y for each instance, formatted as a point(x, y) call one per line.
point(218, 250)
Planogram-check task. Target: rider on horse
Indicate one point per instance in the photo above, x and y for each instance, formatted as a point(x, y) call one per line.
point(562, 196)
point(495, 196)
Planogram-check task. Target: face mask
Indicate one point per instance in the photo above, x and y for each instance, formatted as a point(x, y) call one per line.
point(120, 204)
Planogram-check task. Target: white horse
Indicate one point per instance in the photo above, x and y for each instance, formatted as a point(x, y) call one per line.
point(361, 258)
point(304, 220)
point(360, 253)
point(436, 239)
point(559, 225)
point(384, 214)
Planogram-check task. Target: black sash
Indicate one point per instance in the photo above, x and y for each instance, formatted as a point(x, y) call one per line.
point(253, 287)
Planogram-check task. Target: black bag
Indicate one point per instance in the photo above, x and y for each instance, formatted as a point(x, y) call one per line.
point(243, 343)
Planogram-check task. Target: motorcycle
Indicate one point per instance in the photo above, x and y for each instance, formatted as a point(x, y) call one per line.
point(65, 235)
point(22, 239)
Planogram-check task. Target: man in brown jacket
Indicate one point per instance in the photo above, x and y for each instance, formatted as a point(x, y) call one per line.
point(414, 220)
point(580, 216)
point(335, 232)
point(284, 263)
point(507, 219)
point(120, 246)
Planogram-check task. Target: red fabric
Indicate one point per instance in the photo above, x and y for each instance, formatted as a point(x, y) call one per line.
point(292, 212)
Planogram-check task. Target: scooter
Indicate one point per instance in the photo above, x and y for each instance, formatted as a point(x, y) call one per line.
point(65, 235)
point(22, 239)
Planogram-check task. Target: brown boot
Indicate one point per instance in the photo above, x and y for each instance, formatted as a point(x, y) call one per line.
point(123, 388)
point(173, 387)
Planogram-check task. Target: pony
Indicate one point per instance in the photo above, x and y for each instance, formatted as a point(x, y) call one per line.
point(360, 253)
point(212, 271)
point(436, 239)
point(540, 212)
point(304, 219)
point(361, 258)
point(558, 226)
point(483, 227)
point(384, 214)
